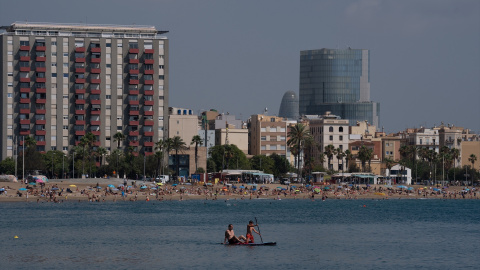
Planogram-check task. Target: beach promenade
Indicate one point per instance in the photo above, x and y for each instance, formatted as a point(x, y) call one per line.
point(114, 189)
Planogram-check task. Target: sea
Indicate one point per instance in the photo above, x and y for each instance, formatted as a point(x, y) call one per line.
point(331, 234)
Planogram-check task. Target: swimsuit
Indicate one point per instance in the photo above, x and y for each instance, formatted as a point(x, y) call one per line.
point(250, 238)
point(233, 240)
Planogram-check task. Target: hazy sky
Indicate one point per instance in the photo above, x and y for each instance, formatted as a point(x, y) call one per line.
point(242, 56)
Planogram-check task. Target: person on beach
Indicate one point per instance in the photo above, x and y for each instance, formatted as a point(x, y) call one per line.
point(231, 238)
point(250, 229)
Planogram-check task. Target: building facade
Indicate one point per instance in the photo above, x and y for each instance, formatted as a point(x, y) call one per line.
point(61, 81)
point(289, 106)
point(182, 123)
point(268, 135)
point(337, 80)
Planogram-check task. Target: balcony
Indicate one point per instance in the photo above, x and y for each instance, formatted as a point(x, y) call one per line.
point(151, 144)
point(24, 79)
point(79, 122)
point(133, 123)
point(41, 80)
point(134, 92)
point(25, 100)
point(41, 90)
point(24, 48)
point(79, 70)
point(149, 61)
point(79, 101)
point(96, 60)
point(40, 101)
point(79, 111)
point(24, 111)
point(24, 90)
point(96, 132)
point(95, 91)
point(133, 143)
point(41, 59)
point(24, 132)
point(133, 82)
point(24, 69)
point(148, 153)
point(95, 71)
point(77, 142)
point(96, 49)
point(80, 60)
point(134, 112)
point(78, 80)
point(41, 143)
point(148, 92)
point(133, 133)
point(96, 101)
point(149, 113)
point(149, 82)
point(133, 50)
point(40, 111)
point(133, 61)
point(133, 102)
point(41, 69)
point(96, 143)
point(80, 49)
point(41, 132)
point(149, 71)
point(148, 123)
point(96, 81)
point(80, 91)
point(40, 48)
point(95, 123)
point(24, 58)
point(24, 121)
point(133, 71)
point(96, 112)
point(80, 132)
point(40, 122)
point(148, 133)
point(150, 51)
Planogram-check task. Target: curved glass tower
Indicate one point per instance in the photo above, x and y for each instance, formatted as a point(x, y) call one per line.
point(289, 106)
point(337, 80)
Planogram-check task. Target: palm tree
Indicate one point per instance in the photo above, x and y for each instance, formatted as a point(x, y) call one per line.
point(196, 140)
point(340, 156)
point(30, 142)
point(118, 137)
point(472, 159)
point(101, 151)
point(365, 154)
point(348, 157)
point(298, 134)
point(330, 152)
point(177, 145)
point(86, 143)
point(389, 164)
point(455, 153)
point(160, 148)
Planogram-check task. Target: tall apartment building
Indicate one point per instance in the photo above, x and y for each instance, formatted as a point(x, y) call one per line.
point(327, 130)
point(337, 80)
point(60, 81)
point(268, 135)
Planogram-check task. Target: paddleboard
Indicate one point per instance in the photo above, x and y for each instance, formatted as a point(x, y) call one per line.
point(253, 244)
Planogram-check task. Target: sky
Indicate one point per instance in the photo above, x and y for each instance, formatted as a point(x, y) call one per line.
point(240, 57)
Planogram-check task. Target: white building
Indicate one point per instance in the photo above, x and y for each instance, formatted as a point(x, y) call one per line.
point(399, 175)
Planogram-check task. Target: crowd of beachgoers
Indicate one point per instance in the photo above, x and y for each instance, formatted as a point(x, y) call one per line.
point(128, 190)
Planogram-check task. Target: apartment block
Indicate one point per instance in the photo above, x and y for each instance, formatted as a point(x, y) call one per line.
point(61, 81)
point(268, 135)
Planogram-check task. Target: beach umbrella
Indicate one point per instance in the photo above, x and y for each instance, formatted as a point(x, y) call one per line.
point(22, 189)
point(410, 188)
point(39, 181)
point(326, 188)
point(111, 186)
point(154, 188)
point(32, 183)
point(317, 190)
point(242, 187)
point(174, 185)
point(436, 189)
point(293, 186)
point(55, 188)
point(72, 186)
point(143, 187)
point(2, 189)
point(99, 187)
point(159, 184)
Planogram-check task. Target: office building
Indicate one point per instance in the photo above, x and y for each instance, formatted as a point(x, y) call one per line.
point(61, 81)
point(337, 80)
point(289, 106)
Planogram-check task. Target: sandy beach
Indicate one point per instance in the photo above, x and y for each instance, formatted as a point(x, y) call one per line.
point(62, 190)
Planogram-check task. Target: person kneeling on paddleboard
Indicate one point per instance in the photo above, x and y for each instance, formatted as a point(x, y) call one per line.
point(231, 238)
point(250, 228)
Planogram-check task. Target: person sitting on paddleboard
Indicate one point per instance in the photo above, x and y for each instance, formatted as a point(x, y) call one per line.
point(250, 228)
point(231, 238)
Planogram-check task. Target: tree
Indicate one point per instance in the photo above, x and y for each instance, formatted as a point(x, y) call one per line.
point(348, 157)
point(86, 142)
point(365, 154)
point(178, 145)
point(455, 155)
point(340, 155)
point(298, 135)
point(7, 166)
point(118, 137)
point(196, 140)
point(160, 150)
point(389, 164)
point(472, 160)
point(101, 152)
point(330, 152)
point(216, 161)
point(266, 162)
point(280, 165)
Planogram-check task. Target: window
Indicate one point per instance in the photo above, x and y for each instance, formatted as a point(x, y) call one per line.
point(331, 138)
point(330, 129)
point(341, 138)
point(263, 138)
point(340, 129)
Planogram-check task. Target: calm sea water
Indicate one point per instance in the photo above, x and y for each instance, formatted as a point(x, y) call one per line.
point(334, 234)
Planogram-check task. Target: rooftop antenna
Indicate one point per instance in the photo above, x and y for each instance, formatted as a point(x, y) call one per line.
point(265, 111)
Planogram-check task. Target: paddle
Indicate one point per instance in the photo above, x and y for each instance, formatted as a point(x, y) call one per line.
point(259, 230)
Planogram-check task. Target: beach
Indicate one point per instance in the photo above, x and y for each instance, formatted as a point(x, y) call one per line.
point(114, 189)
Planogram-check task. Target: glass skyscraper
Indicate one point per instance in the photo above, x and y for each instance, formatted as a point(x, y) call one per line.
point(289, 106)
point(337, 80)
